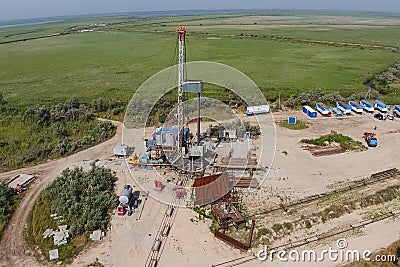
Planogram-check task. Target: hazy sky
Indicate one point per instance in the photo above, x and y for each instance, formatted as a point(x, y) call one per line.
point(13, 9)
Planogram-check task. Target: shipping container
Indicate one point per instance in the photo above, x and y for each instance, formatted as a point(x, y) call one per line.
point(344, 107)
point(367, 106)
point(356, 107)
point(309, 111)
point(381, 106)
point(323, 109)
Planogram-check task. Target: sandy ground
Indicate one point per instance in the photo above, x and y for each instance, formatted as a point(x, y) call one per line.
point(309, 175)
point(373, 237)
point(190, 242)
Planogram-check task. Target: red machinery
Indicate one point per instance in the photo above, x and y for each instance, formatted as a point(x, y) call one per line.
point(120, 210)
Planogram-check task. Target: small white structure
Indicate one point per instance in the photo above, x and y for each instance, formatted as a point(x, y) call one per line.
point(121, 151)
point(97, 235)
point(53, 254)
point(228, 134)
point(255, 110)
point(60, 238)
point(197, 151)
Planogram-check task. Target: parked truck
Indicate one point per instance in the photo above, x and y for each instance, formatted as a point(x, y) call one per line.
point(370, 138)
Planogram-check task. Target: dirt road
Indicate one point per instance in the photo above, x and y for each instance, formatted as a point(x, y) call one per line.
point(13, 248)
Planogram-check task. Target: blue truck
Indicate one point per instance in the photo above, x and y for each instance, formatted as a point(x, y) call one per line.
point(370, 139)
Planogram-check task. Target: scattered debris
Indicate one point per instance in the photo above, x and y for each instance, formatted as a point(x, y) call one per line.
point(227, 214)
point(324, 151)
point(61, 236)
point(48, 233)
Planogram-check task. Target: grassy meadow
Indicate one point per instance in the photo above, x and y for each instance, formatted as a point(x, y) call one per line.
point(115, 59)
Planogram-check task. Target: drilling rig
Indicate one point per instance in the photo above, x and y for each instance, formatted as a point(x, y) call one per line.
point(181, 79)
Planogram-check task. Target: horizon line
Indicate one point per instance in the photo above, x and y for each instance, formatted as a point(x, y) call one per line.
point(235, 10)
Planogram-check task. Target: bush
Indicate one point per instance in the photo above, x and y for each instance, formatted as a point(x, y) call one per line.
point(254, 130)
point(348, 142)
point(71, 110)
point(389, 76)
point(8, 203)
point(83, 199)
point(263, 232)
point(313, 96)
point(100, 105)
point(277, 227)
point(288, 226)
point(2, 100)
point(300, 125)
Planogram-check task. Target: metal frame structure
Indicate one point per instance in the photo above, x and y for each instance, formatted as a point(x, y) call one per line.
point(181, 79)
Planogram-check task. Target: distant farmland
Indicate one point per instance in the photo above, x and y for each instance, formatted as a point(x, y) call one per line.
point(114, 62)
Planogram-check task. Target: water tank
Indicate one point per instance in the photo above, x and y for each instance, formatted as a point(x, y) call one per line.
point(126, 195)
point(159, 141)
point(170, 140)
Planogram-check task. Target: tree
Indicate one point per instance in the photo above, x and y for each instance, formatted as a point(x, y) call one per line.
point(84, 197)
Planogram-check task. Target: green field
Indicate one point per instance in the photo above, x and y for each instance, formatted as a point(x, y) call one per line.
point(114, 62)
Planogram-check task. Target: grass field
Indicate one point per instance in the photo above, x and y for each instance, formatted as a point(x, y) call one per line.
point(114, 63)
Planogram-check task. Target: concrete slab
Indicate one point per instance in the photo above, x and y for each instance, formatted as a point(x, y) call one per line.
point(21, 179)
point(53, 254)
